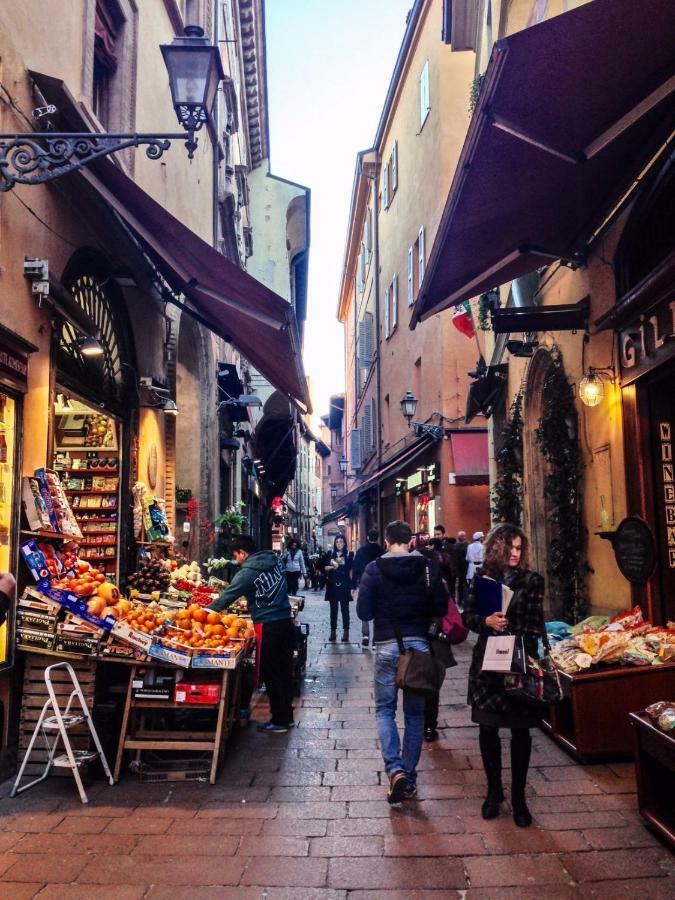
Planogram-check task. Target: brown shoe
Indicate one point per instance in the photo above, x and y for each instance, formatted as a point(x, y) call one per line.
point(397, 786)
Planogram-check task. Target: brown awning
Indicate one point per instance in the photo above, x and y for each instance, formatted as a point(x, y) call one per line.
point(236, 306)
point(569, 113)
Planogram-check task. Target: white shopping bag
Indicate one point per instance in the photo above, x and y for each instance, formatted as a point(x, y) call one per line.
point(504, 653)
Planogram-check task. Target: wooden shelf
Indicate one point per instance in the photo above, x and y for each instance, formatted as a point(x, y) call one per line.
point(101, 471)
point(111, 492)
point(92, 518)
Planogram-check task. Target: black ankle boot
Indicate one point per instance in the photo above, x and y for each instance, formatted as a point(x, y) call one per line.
point(491, 754)
point(521, 748)
point(333, 637)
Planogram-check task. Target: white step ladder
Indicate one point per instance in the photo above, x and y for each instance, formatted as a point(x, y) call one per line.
point(58, 723)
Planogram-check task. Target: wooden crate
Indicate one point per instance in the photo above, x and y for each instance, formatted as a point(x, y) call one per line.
point(33, 699)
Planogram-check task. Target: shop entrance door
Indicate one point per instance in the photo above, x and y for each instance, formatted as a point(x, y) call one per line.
point(661, 394)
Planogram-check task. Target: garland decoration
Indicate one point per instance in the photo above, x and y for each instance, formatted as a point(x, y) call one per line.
point(557, 440)
point(507, 493)
point(474, 92)
point(483, 323)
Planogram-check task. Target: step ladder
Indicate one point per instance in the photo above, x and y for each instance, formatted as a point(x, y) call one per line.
point(54, 725)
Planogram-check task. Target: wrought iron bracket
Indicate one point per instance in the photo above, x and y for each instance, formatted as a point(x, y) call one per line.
point(437, 432)
point(37, 157)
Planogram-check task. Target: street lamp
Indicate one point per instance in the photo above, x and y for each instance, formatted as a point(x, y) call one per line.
point(343, 463)
point(333, 492)
point(408, 406)
point(195, 70)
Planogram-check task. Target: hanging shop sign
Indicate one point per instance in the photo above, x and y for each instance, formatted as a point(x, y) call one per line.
point(14, 365)
point(635, 549)
point(424, 475)
point(667, 473)
point(415, 480)
point(647, 342)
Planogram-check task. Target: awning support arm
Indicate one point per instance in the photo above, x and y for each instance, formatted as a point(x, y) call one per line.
point(517, 132)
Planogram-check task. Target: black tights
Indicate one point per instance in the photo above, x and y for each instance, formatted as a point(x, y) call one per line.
point(491, 753)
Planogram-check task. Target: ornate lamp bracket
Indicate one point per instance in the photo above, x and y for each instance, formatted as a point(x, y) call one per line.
point(38, 157)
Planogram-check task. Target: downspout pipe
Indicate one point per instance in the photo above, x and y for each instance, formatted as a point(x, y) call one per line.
point(217, 12)
point(378, 371)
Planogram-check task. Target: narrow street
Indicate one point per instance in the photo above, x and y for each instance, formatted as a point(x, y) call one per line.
point(304, 815)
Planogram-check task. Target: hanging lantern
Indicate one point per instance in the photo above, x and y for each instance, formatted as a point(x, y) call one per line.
point(591, 389)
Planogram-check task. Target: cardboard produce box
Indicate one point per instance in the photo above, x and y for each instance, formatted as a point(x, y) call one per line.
point(191, 692)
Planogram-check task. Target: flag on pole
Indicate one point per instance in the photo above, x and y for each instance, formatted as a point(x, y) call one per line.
point(463, 320)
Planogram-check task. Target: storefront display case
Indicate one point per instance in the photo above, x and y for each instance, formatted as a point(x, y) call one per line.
point(87, 457)
point(655, 771)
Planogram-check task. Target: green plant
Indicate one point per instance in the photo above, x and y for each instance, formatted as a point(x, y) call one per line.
point(507, 493)
point(557, 440)
point(232, 521)
point(474, 92)
point(483, 323)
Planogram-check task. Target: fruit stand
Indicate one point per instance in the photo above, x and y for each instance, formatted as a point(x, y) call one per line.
point(174, 661)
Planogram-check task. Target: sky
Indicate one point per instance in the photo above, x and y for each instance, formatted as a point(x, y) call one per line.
point(328, 68)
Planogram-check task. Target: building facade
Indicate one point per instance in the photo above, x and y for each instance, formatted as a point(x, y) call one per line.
point(435, 468)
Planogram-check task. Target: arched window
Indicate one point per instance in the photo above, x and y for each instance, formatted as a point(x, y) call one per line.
point(88, 279)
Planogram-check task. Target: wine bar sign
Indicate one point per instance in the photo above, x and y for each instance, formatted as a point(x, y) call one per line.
point(666, 440)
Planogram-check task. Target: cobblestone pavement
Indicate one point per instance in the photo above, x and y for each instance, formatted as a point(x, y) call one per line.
point(304, 815)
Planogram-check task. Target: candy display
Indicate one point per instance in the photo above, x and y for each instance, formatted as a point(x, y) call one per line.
point(662, 715)
point(625, 639)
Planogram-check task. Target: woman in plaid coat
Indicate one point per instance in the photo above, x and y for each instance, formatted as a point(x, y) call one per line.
point(507, 561)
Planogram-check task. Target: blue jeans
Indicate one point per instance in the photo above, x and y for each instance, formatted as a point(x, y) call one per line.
point(386, 696)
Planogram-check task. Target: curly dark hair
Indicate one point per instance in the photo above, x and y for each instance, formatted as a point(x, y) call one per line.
point(498, 549)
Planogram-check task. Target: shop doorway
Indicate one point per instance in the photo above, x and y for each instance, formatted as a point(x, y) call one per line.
point(660, 395)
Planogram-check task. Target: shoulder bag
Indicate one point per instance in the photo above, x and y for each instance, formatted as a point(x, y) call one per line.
point(540, 684)
point(417, 671)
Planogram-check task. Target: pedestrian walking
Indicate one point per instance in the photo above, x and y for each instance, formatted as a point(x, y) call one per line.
point(401, 591)
point(339, 586)
point(261, 580)
point(364, 555)
point(507, 561)
point(474, 554)
point(459, 552)
point(294, 566)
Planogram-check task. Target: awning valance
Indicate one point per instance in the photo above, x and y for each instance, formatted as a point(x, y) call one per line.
point(470, 457)
point(236, 306)
point(569, 113)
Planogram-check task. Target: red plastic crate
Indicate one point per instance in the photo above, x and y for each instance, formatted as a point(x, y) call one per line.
point(188, 692)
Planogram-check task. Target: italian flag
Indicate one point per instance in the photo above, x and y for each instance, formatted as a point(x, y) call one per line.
point(463, 320)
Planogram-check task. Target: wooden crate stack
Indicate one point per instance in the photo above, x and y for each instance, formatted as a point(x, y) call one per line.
point(34, 697)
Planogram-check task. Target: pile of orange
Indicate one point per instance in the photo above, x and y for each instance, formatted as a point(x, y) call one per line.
point(203, 628)
point(84, 581)
point(145, 617)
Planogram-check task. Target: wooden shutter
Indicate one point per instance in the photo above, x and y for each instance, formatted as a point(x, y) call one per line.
point(385, 187)
point(422, 255)
point(410, 288)
point(394, 301)
point(394, 167)
point(373, 414)
point(367, 428)
point(369, 322)
point(368, 233)
point(355, 449)
point(386, 312)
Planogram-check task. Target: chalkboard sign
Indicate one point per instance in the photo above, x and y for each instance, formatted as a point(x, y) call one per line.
point(635, 550)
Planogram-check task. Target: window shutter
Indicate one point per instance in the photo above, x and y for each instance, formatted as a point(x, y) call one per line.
point(424, 93)
point(385, 186)
point(369, 323)
point(367, 427)
point(386, 312)
point(394, 301)
point(421, 255)
point(376, 435)
point(355, 447)
point(410, 287)
point(360, 351)
point(361, 270)
point(394, 167)
point(368, 234)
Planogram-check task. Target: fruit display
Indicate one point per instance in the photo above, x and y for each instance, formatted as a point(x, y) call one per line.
point(190, 573)
point(145, 617)
point(82, 579)
point(152, 575)
point(204, 629)
point(98, 431)
point(107, 601)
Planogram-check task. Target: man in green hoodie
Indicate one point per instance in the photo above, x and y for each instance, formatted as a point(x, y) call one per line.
point(261, 579)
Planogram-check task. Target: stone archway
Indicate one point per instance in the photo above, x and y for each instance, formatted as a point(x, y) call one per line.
point(536, 509)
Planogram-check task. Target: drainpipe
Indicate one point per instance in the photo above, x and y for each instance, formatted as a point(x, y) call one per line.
point(217, 10)
point(378, 378)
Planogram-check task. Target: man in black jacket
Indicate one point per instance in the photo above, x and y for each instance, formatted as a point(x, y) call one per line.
point(404, 591)
point(364, 555)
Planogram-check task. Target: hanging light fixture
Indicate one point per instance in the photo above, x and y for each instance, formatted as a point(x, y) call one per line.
point(89, 346)
point(408, 406)
point(343, 463)
point(170, 408)
point(592, 388)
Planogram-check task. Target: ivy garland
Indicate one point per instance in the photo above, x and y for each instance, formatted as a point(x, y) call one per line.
point(557, 440)
point(507, 494)
point(483, 323)
point(474, 92)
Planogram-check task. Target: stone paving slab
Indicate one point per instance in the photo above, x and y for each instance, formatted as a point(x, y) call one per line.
point(304, 816)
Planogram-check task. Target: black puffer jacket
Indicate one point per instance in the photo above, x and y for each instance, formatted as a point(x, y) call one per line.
point(395, 587)
point(362, 557)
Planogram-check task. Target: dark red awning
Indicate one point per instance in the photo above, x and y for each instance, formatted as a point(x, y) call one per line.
point(236, 306)
point(569, 113)
point(470, 457)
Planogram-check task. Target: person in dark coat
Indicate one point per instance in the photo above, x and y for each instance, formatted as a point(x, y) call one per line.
point(403, 588)
point(364, 555)
point(339, 586)
point(461, 565)
point(506, 560)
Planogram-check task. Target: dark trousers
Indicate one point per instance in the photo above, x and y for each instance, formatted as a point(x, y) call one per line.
point(431, 711)
point(491, 752)
point(343, 604)
point(276, 668)
point(292, 582)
